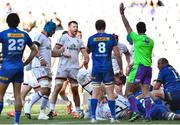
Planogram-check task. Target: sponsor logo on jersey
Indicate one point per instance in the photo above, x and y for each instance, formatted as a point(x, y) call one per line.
point(96, 39)
point(72, 47)
point(3, 78)
point(16, 35)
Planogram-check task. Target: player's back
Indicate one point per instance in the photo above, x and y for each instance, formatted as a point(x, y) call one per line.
point(101, 46)
point(170, 77)
point(143, 47)
point(13, 44)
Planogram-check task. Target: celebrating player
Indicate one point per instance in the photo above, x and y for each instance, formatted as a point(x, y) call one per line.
point(68, 48)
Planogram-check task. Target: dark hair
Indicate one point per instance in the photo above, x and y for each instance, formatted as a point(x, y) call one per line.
point(12, 20)
point(64, 32)
point(116, 37)
point(72, 22)
point(141, 27)
point(163, 61)
point(100, 25)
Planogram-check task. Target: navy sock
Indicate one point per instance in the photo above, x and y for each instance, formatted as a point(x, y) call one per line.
point(17, 117)
point(93, 108)
point(112, 107)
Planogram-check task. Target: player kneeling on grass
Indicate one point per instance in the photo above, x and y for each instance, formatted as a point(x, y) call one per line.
point(170, 79)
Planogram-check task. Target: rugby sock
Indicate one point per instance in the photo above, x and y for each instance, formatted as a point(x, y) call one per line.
point(35, 98)
point(44, 102)
point(112, 107)
point(89, 106)
point(132, 101)
point(78, 109)
point(17, 117)
point(1, 107)
point(148, 106)
point(93, 107)
point(51, 107)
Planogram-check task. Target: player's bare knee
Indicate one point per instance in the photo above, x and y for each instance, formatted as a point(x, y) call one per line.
point(59, 82)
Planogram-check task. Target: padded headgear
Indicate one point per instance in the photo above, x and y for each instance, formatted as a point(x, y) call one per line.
point(49, 27)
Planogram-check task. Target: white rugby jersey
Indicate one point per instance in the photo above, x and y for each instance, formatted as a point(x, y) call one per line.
point(104, 112)
point(123, 49)
point(72, 45)
point(44, 50)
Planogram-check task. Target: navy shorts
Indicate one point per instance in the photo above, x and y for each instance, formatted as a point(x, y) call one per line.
point(105, 77)
point(11, 75)
point(172, 96)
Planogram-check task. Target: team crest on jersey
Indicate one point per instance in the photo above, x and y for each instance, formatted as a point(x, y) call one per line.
point(147, 41)
point(15, 35)
point(96, 39)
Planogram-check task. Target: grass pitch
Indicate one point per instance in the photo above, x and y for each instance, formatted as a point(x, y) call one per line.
point(63, 118)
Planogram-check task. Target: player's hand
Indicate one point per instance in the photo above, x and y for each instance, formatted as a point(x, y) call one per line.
point(67, 55)
point(121, 8)
point(61, 50)
point(43, 62)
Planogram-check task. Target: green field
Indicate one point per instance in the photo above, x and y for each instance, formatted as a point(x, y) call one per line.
point(64, 118)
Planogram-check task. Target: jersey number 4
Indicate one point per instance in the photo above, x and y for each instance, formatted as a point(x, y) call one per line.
point(101, 47)
point(12, 44)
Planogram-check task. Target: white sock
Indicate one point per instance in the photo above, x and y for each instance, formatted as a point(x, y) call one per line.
point(77, 109)
point(51, 107)
point(81, 95)
point(44, 102)
point(35, 98)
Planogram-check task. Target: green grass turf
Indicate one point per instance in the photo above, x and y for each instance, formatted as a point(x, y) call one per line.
point(63, 118)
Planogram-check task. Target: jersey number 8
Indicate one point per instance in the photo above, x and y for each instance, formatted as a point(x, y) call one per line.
point(101, 47)
point(12, 44)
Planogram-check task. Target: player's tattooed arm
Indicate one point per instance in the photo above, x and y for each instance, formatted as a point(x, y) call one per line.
point(124, 19)
point(86, 57)
point(88, 50)
point(118, 58)
point(33, 53)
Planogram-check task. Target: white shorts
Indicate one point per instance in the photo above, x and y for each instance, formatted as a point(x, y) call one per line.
point(29, 79)
point(116, 68)
point(84, 79)
point(43, 76)
point(66, 74)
